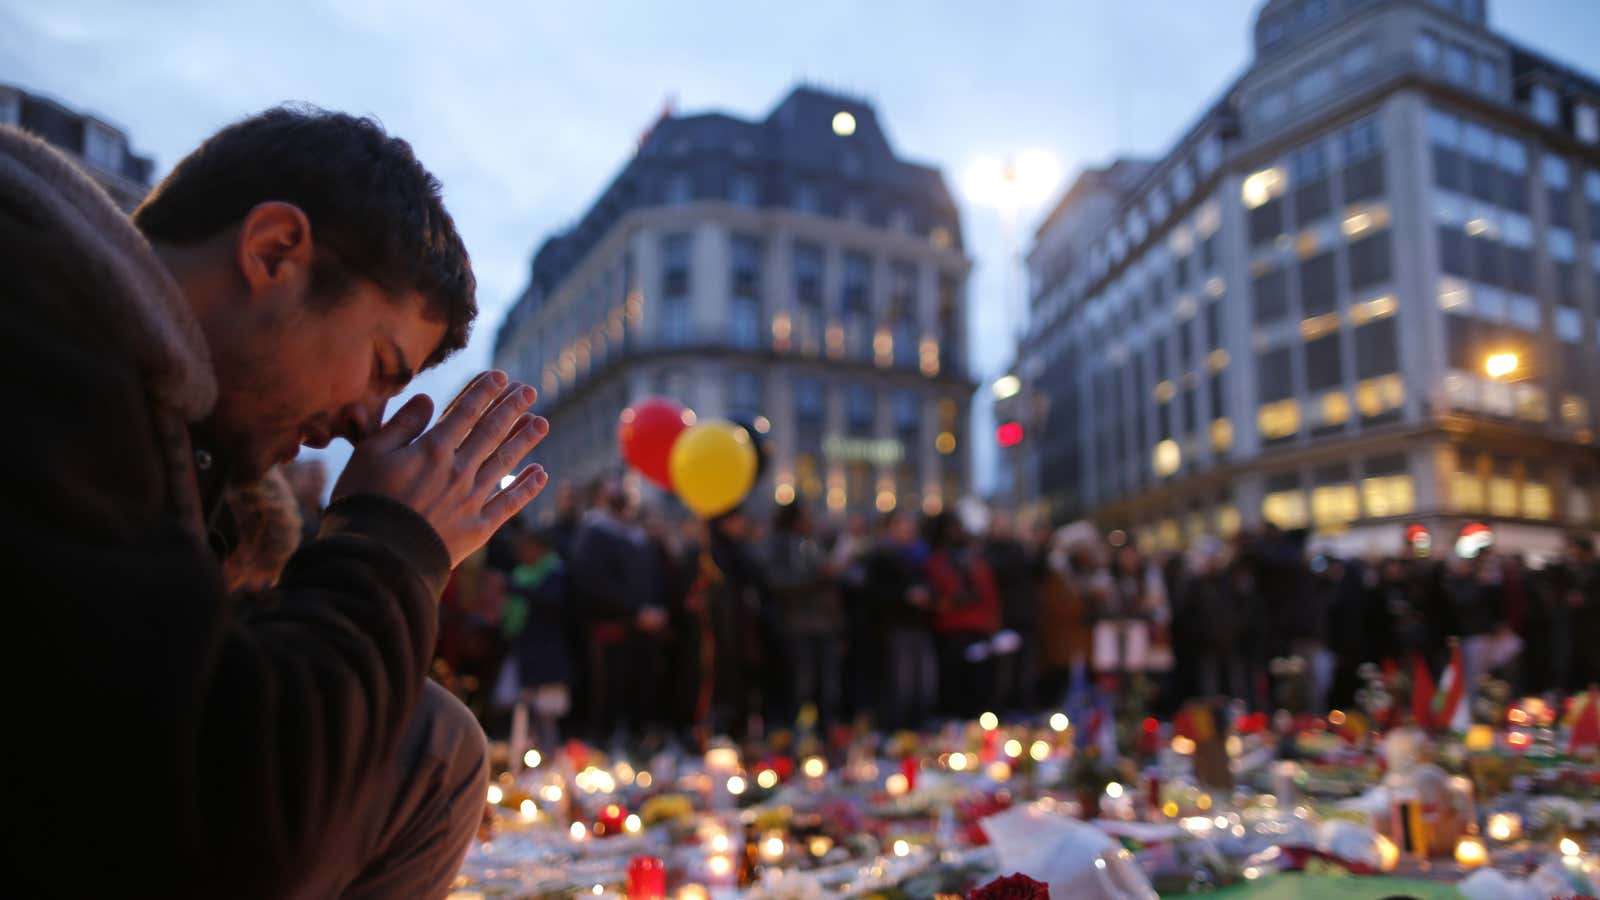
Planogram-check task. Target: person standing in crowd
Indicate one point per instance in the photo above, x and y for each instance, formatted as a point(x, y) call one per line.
point(729, 589)
point(1131, 615)
point(535, 623)
point(615, 589)
point(1017, 568)
point(896, 582)
point(1063, 623)
point(1475, 590)
point(966, 615)
point(1570, 606)
point(801, 580)
point(1211, 621)
point(278, 288)
point(863, 630)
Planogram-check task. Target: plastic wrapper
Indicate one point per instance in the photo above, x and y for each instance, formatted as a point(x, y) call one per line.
point(1075, 859)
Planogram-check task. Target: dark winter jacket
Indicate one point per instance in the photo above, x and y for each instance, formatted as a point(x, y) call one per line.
point(243, 746)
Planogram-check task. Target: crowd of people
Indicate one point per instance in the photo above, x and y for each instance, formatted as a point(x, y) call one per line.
point(617, 624)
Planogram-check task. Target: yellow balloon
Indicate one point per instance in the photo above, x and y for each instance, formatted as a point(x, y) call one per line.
point(713, 467)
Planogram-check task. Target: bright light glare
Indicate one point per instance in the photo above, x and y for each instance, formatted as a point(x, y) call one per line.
point(1499, 365)
point(506, 481)
point(1007, 386)
point(1059, 722)
point(1011, 184)
point(532, 759)
point(844, 124)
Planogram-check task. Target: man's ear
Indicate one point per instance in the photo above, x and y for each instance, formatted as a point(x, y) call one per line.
point(275, 247)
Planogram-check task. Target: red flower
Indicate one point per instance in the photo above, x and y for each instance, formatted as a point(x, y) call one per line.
point(1012, 887)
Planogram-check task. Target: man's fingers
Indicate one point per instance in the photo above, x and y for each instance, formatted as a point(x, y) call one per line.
point(403, 427)
point(507, 503)
point(457, 421)
point(496, 424)
point(526, 434)
point(476, 380)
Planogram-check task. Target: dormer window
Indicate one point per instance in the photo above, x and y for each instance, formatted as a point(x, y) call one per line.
point(102, 146)
point(1546, 105)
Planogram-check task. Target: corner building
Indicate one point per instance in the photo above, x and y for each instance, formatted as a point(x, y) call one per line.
point(791, 271)
point(1358, 294)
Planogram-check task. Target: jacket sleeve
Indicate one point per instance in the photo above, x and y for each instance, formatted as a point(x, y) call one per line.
point(246, 747)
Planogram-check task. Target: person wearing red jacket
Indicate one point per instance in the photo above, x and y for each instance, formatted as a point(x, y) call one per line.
point(966, 615)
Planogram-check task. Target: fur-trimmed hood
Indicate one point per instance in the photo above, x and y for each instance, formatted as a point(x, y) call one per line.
point(140, 302)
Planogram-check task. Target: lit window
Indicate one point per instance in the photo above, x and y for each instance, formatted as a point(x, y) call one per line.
point(1388, 495)
point(1279, 420)
point(1574, 411)
point(1317, 326)
point(1167, 458)
point(1372, 310)
point(1261, 187)
point(1221, 435)
point(1502, 496)
point(1228, 522)
point(1536, 502)
point(1164, 392)
point(1285, 509)
point(1531, 405)
point(1335, 408)
point(1217, 360)
point(1334, 506)
point(1361, 218)
point(1466, 491)
point(1376, 396)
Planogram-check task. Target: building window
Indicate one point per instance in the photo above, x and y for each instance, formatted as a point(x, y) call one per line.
point(1323, 369)
point(1318, 286)
point(1380, 398)
point(805, 198)
point(1333, 506)
point(1270, 296)
point(746, 395)
point(860, 409)
point(744, 190)
point(1426, 50)
point(857, 295)
point(1279, 420)
point(1585, 122)
point(745, 320)
point(1357, 60)
point(809, 404)
point(1221, 436)
point(1209, 156)
point(1313, 86)
point(1387, 489)
point(1369, 261)
point(1546, 105)
point(808, 275)
point(1466, 491)
point(1458, 64)
point(1502, 495)
point(10, 107)
point(1285, 509)
point(680, 189)
point(103, 146)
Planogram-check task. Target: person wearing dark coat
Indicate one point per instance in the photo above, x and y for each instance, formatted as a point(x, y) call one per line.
point(896, 583)
point(538, 608)
point(288, 743)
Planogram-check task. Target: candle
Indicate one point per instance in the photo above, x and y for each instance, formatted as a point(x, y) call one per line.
point(896, 785)
point(814, 767)
point(1480, 738)
point(909, 767)
point(647, 878)
point(1505, 826)
point(772, 848)
point(1569, 847)
point(692, 892)
point(1388, 854)
point(610, 821)
point(1470, 852)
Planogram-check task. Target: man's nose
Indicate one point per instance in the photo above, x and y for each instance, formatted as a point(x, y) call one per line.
point(364, 418)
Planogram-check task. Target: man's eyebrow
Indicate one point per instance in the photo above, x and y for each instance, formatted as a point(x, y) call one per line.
point(403, 371)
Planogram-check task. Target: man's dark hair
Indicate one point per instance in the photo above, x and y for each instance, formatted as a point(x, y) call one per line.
point(375, 212)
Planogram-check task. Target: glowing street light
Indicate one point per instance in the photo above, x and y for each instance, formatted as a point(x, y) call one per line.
point(1499, 365)
point(1006, 387)
point(1012, 183)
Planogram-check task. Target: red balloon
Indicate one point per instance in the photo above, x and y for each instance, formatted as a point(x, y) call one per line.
point(646, 433)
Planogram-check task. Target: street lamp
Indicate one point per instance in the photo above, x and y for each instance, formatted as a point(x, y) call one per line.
point(1499, 365)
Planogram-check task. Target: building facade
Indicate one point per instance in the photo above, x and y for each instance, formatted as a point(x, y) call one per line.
point(1359, 294)
point(101, 147)
point(792, 272)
